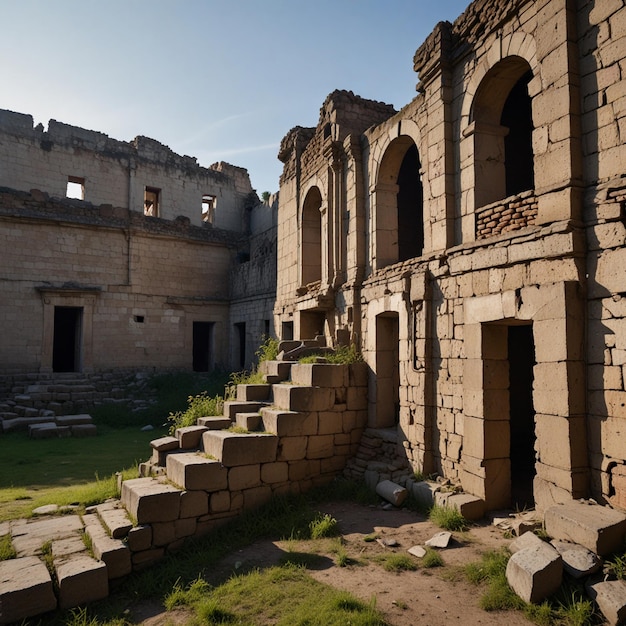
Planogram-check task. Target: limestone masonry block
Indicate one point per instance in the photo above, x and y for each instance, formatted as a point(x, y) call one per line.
point(289, 423)
point(319, 375)
point(611, 598)
point(577, 560)
point(598, 528)
point(470, 507)
point(215, 423)
point(253, 393)
point(189, 437)
point(193, 504)
point(194, 471)
point(139, 538)
point(244, 477)
point(81, 579)
point(240, 449)
point(25, 589)
point(294, 398)
point(149, 500)
point(535, 573)
point(165, 444)
point(115, 518)
point(113, 552)
point(232, 407)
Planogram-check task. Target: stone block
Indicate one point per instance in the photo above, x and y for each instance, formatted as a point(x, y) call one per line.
point(233, 449)
point(244, 477)
point(149, 500)
point(527, 540)
point(46, 430)
point(320, 447)
point(189, 437)
point(165, 444)
point(73, 420)
point(296, 398)
point(193, 504)
point(356, 399)
point(253, 393)
point(25, 589)
point(535, 573)
point(470, 507)
point(577, 560)
point(319, 375)
point(232, 407)
point(610, 596)
point(193, 471)
point(185, 527)
point(163, 533)
point(145, 558)
point(289, 423)
point(29, 535)
point(115, 519)
point(219, 502)
point(139, 538)
point(113, 552)
point(215, 423)
point(249, 421)
point(292, 448)
point(81, 579)
point(274, 472)
point(256, 497)
point(598, 528)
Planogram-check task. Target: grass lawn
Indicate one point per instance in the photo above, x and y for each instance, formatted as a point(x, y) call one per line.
point(36, 472)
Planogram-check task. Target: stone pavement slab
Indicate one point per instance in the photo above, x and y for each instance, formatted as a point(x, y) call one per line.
point(29, 535)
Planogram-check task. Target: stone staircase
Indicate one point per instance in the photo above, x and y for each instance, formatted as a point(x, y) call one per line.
point(286, 436)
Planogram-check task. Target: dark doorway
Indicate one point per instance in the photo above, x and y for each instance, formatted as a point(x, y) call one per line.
point(410, 207)
point(387, 370)
point(240, 334)
point(67, 338)
point(517, 117)
point(312, 324)
point(286, 332)
point(202, 346)
point(521, 351)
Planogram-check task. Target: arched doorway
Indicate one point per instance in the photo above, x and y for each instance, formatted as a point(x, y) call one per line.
point(311, 243)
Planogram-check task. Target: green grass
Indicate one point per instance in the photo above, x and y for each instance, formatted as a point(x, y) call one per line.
point(7, 551)
point(397, 562)
point(324, 526)
point(432, 558)
point(285, 596)
point(447, 518)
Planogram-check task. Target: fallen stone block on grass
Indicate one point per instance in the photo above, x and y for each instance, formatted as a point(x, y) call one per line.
point(610, 596)
point(535, 573)
point(598, 528)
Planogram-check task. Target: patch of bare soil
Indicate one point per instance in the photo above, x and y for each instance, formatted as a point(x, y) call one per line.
point(433, 597)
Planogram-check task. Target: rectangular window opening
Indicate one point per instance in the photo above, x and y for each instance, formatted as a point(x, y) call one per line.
point(75, 187)
point(139, 319)
point(151, 201)
point(208, 208)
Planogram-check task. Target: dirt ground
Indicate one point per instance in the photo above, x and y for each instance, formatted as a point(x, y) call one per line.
point(432, 597)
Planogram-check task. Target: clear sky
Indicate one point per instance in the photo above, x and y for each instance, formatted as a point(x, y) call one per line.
point(221, 80)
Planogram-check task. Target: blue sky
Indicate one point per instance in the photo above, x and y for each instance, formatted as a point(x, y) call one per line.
point(218, 80)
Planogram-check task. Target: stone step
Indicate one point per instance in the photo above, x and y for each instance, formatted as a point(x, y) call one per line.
point(319, 375)
point(289, 423)
point(232, 407)
point(249, 421)
point(26, 589)
point(277, 370)
point(113, 552)
point(303, 398)
point(599, 528)
point(233, 449)
point(114, 518)
point(21, 423)
point(150, 500)
point(215, 422)
point(254, 393)
point(80, 579)
point(194, 471)
point(189, 437)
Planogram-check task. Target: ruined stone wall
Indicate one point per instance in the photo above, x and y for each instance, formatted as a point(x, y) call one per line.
point(516, 296)
point(602, 47)
point(140, 282)
point(116, 172)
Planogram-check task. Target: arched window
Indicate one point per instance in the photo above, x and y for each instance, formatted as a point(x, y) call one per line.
point(399, 223)
point(502, 126)
point(311, 252)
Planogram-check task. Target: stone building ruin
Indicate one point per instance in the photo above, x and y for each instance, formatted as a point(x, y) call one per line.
point(124, 255)
point(472, 245)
